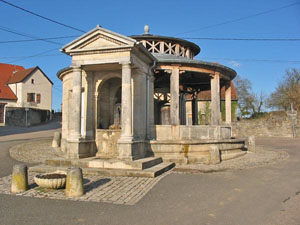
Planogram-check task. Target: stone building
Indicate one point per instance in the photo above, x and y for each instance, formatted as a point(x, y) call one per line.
point(25, 95)
point(126, 98)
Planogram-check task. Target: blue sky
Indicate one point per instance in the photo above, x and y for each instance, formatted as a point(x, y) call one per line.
point(165, 17)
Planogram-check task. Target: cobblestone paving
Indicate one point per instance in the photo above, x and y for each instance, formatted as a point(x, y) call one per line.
point(117, 190)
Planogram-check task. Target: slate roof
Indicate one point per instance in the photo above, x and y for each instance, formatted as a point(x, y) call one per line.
point(166, 58)
point(6, 70)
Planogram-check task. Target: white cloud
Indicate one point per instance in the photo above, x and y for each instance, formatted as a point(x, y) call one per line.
point(235, 63)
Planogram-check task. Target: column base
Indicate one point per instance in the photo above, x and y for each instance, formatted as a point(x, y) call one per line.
point(80, 148)
point(131, 150)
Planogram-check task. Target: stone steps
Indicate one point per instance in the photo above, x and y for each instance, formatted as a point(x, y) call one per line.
point(151, 172)
point(139, 164)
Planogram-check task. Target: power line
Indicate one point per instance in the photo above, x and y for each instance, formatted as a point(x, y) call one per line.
point(241, 18)
point(187, 38)
point(9, 30)
point(240, 39)
point(33, 56)
point(43, 17)
point(37, 39)
point(21, 57)
point(255, 60)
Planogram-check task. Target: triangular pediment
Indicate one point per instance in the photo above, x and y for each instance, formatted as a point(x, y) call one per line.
point(97, 39)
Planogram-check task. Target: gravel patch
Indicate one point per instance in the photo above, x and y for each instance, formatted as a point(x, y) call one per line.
point(35, 151)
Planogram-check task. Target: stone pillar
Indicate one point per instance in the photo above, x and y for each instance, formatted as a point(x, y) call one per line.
point(215, 157)
point(228, 102)
point(174, 90)
point(150, 112)
point(74, 183)
point(19, 179)
point(89, 109)
point(56, 140)
point(251, 144)
point(215, 99)
point(76, 103)
point(126, 103)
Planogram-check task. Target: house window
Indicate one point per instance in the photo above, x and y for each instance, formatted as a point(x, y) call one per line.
point(30, 97)
point(38, 98)
point(32, 81)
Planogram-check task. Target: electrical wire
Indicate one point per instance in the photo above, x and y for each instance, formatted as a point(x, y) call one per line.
point(43, 17)
point(239, 19)
point(255, 60)
point(9, 30)
point(240, 39)
point(33, 56)
point(187, 38)
point(37, 39)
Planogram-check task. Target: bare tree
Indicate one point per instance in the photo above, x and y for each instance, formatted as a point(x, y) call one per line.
point(249, 102)
point(287, 92)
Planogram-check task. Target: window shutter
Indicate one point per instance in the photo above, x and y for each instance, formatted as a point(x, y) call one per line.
point(38, 98)
point(28, 97)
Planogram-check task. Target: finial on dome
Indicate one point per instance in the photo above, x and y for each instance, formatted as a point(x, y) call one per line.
point(146, 29)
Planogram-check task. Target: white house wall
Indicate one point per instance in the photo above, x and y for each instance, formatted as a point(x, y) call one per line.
point(40, 86)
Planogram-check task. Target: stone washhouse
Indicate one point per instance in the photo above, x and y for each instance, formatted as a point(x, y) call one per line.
point(130, 103)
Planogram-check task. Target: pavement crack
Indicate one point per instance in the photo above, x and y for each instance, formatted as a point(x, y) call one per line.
point(285, 200)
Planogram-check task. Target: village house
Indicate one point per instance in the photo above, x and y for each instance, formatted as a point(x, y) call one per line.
point(25, 95)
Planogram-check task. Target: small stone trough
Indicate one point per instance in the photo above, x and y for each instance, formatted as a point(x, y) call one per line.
point(51, 180)
point(72, 181)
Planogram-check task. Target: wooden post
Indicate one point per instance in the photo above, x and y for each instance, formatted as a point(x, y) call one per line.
point(215, 99)
point(174, 89)
point(228, 102)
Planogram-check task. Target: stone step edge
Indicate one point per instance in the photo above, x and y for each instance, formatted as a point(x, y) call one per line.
point(140, 164)
point(150, 172)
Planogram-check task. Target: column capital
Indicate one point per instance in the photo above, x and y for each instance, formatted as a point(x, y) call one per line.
point(76, 68)
point(169, 71)
point(125, 63)
point(213, 75)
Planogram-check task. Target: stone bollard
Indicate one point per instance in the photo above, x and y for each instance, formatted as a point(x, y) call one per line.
point(74, 183)
point(56, 140)
point(251, 143)
point(214, 155)
point(19, 179)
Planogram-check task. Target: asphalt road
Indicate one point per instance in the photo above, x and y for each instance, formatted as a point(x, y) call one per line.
point(249, 196)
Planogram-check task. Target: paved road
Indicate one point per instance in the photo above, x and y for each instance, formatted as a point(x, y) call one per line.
point(232, 197)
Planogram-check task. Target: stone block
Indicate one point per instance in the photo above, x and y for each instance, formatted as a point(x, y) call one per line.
point(251, 143)
point(74, 183)
point(56, 140)
point(19, 180)
point(214, 155)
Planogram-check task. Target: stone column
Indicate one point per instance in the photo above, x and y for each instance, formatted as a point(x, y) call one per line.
point(215, 99)
point(150, 112)
point(89, 109)
point(174, 90)
point(228, 102)
point(76, 103)
point(126, 102)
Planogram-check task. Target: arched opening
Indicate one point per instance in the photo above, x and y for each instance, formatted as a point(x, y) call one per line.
point(109, 104)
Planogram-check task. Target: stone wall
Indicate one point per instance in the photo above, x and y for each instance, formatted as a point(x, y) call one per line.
point(275, 124)
point(17, 116)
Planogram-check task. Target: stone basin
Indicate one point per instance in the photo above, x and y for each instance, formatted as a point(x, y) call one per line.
point(51, 180)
